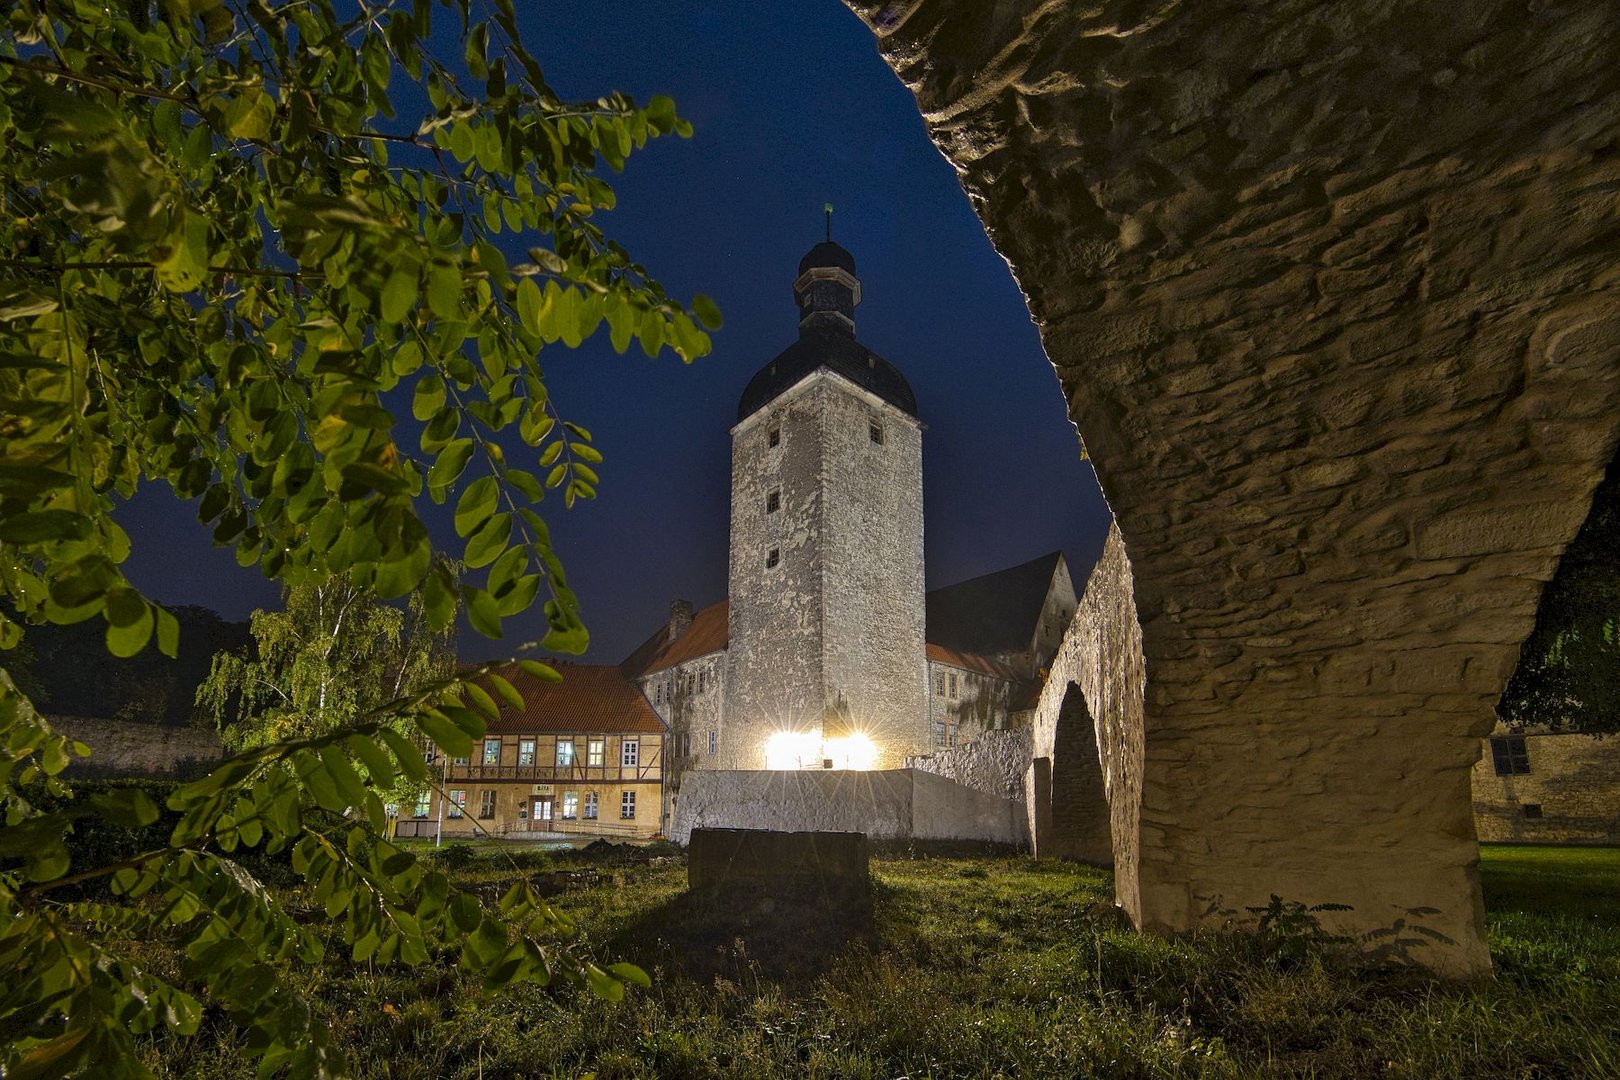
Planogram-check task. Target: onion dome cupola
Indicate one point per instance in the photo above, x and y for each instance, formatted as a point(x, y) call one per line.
point(827, 291)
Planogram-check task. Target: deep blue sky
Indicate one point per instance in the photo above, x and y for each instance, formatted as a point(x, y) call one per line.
point(793, 108)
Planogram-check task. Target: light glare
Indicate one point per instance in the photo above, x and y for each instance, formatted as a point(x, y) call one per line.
point(806, 750)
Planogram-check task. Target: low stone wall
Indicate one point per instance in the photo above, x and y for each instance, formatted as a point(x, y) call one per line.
point(994, 763)
point(889, 804)
point(120, 748)
point(1573, 785)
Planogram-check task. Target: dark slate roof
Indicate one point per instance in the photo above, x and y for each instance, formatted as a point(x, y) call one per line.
point(995, 613)
point(837, 351)
point(828, 253)
point(708, 633)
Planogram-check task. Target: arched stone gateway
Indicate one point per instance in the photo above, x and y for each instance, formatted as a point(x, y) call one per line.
point(1332, 291)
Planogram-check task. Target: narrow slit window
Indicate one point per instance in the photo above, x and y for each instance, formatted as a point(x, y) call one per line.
point(773, 557)
point(773, 502)
point(774, 439)
point(875, 430)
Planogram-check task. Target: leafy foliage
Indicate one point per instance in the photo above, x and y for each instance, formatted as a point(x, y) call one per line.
point(226, 264)
point(1568, 676)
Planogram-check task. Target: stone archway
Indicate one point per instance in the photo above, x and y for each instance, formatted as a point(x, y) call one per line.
point(1331, 291)
point(1070, 808)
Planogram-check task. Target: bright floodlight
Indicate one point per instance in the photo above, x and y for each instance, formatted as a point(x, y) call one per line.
point(852, 752)
point(792, 750)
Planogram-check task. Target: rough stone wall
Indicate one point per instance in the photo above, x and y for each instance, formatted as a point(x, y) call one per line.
point(1056, 613)
point(1102, 658)
point(1331, 291)
point(887, 804)
point(774, 673)
point(121, 748)
point(876, 666)
point(980, 705)
point(836, 628)
point(1574, 779)
point(690, 699)
point(993, 763)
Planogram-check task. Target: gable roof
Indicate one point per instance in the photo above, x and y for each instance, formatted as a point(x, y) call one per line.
point(983, 665)
point(995, 612)
point(590, 698)
point(709, 632)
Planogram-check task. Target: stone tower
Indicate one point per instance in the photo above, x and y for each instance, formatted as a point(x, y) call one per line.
point(826, 657)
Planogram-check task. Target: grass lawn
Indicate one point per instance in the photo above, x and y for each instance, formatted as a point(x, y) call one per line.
point(983, 967)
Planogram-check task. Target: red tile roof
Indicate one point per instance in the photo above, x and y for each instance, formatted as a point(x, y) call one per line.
point(708, 633)
point(984, 665)
point(591, 697)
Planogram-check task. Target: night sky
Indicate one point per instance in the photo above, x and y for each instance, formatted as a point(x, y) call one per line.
point(793, 108)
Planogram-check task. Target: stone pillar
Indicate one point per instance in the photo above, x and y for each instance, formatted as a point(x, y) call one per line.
point(1331, 292)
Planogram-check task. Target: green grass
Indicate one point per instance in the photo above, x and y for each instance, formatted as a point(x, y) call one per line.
point(982, 968)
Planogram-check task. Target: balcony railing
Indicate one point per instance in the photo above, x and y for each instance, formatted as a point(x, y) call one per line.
point(558, 774)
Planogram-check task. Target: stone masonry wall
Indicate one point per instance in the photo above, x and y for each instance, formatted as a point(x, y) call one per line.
point(121, 748)
point(994, 762)
point(980, 704)
point(1573, 779)
point(1331, 291)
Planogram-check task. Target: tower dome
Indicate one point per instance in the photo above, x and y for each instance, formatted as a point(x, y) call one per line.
point(827, 291)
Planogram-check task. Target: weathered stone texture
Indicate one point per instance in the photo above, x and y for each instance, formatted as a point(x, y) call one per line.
point(1331, 289)
point(1574, 780)
point(994, 763)
point(885, 804)
point(978, 704)
point(834, 632)
point(121, 748)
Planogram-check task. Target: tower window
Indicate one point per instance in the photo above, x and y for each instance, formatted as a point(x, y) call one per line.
point(1510, 755)
point(875, 430)
point(772, 557)
point(774, 439)
point(773, 502)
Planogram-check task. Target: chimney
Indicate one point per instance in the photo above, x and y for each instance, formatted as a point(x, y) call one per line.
point(680, 618)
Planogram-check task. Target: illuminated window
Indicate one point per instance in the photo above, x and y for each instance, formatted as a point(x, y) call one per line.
point(1510, 755)
point(525, 751)
point(590, 805)
point(774, 439)
point(773, 557)
point(630, 753)
point(486, 805)
point(627, 806)
point(421, 807)
point(773, 502)
point(595, 752)
point(565, 753)
point(875, 431)
point(570, 805)
point(458, 803)
point(492, 751)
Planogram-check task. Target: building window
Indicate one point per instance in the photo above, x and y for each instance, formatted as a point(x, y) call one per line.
point(773, 502)
point(570, 805)
point(565, 753)
point(875, 432)
point(525, 751)
point(595, 753)
point(627, 806)
point(714, 743)
point(1531, 810)
point(1510, 755)
point(421, 807)
point(590, 806)
point(459, 761)
point(939, 684)
point(458, 802)
point(953, 687)
point(486, 804)
point(939, 734)
point(630, 753)
point(774, 439)
point(492, 751)
point(773, 557)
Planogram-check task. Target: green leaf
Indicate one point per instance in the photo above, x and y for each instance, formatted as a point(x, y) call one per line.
point(451, 461)
point(508, 693)
point(707, 311)
point(429, 397)
point(399, 294)
point(445, 735)
point(602, 984)
point(168, 634)
point(407, 755)
point(482, 612)
point(543, 672)
point(477, 503)
point(444, 291)
point(44, 525)
point(489, 542)
point(631, 974)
